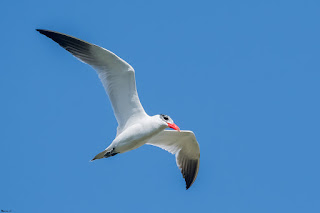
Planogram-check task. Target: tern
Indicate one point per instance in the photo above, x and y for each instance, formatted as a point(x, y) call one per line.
point(135, 126)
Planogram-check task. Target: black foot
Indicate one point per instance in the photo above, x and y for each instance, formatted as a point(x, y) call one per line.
point(110, 154)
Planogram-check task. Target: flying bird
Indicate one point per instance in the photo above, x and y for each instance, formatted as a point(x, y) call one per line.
point(135, 126)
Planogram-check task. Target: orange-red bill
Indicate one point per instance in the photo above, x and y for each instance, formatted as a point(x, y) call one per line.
point(173, 126)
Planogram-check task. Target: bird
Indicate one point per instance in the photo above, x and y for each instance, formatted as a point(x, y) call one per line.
point(135, 126)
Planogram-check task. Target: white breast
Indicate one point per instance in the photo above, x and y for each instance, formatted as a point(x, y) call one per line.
point(137, 134)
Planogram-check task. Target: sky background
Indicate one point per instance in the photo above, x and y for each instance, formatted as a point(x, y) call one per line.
point(243, 75)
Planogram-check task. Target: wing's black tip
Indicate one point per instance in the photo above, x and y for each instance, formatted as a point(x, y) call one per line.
point(188, 185)
point(190, 172)
point(77, 47)
point(41, 31)
point(49, 33)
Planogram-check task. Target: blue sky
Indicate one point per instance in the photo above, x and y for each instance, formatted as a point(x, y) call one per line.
point(243, 75)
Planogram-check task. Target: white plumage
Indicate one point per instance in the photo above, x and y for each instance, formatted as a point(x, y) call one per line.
point(135, 127)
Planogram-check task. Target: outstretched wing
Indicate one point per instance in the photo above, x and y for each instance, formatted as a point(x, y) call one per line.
point(116, 75)
point(186, 149)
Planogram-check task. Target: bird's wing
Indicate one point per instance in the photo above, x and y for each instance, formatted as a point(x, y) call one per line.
point(186, 149)
point(116, 75)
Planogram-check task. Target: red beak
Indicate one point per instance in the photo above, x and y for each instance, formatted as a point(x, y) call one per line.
point(173, 126)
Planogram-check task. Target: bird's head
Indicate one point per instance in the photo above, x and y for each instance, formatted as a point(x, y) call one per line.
point(169, 122)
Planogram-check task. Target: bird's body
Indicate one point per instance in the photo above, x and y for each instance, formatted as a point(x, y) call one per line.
point(137, 134)
point(135, 126)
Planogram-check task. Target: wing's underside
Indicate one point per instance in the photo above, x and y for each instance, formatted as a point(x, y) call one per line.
point(186, 149)
point(116, 75)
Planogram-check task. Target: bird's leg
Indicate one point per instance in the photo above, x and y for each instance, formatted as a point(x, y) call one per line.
point(110, 153)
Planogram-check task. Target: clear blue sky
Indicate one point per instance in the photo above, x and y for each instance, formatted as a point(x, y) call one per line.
point(243, 75)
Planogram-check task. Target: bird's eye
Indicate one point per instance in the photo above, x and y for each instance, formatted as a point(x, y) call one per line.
point(165, 117)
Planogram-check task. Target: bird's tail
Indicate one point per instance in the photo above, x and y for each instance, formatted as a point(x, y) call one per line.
point(105, 154)
point(100, 155)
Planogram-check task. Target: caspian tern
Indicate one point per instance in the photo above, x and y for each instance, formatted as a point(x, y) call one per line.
point(135, 127)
